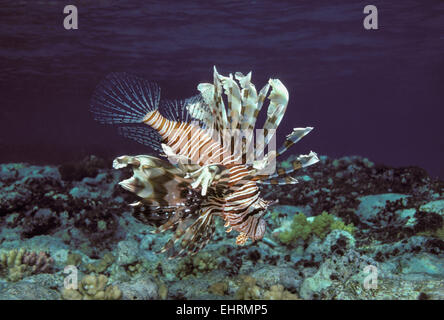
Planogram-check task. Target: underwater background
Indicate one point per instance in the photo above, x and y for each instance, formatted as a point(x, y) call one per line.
point(374, 97)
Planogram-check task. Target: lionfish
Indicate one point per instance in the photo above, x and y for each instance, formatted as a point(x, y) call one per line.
point(210, 172)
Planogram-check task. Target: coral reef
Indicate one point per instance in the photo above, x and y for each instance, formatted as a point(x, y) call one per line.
point(320, 226)
point(142, 287)
point(277, 292)
point(249, 290)
point(102, 265)
point(219, 288)
point(345, 215)
point(74, 259)
point(194, 265)
point(93, 287)
point(17, 264)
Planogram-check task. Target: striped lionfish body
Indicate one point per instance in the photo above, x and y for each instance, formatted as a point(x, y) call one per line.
point(215, 165)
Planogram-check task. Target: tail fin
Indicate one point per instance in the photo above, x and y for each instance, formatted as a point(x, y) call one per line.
point(124, 98)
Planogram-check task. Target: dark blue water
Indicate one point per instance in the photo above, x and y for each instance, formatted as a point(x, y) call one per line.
point(377, 93)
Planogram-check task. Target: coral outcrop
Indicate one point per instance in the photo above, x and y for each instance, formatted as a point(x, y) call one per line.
point(93, 287)
point(249, 290)
point(320, 226)
point(17, 264)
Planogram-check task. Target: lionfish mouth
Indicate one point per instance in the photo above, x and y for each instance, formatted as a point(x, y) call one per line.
point(208, 174)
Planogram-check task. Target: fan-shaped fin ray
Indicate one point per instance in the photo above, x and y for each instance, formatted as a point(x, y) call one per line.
point(144, 135)
point(124, 98)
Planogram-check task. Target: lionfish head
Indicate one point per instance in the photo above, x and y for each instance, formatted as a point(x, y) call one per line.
point(257, 211)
